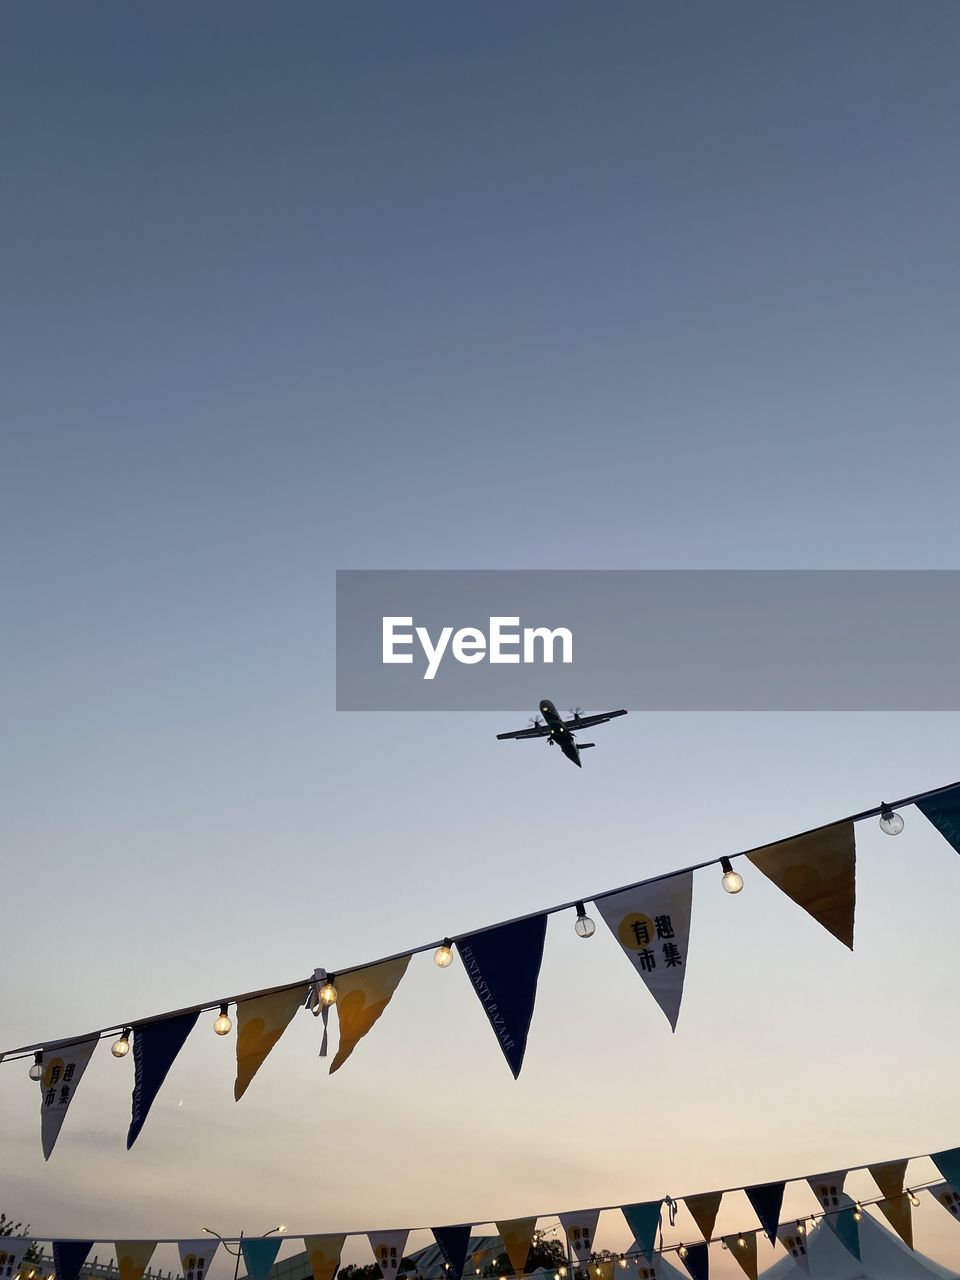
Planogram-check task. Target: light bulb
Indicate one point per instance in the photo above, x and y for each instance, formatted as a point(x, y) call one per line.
point(36, 1068)
point(741, 1242)
point(731, 880)
point(561, 1272)
point(443, 956)
point(623, 1262)
point(857, 1211)
point(121, 1047)
point(801, 1229)
point(682, 1251)
point(585, 927)
point(890, 821)
point(328, 992)
point(914, 1199)
point(223, 1025)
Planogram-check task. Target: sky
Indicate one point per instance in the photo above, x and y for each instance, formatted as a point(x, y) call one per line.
point(300, 287)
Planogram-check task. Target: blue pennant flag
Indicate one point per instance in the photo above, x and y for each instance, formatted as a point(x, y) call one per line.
point(847, 1229)
point(503, 964)
point(260, 1255)
point(453, 1242)
point(155, 1046)
point(767, 1201)
point(948, 1162)
point(943, 811)
point(644, 1221)
point(69, 1256)
point(697, 1261)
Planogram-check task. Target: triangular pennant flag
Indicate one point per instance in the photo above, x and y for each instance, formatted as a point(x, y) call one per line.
point(196, 1256)
point(155, 1046)
point(696, 1258)
point(795, 1243)
point(12, 1249)
point(652, 924)
point(644, 1221)
point(743, 1247)
point(363, 994)
point(323, 1254)
point(260, 1024)
point(943, 811)
point(69, 1256)
point(889, 1177)
point(504, 964)
point(260, 1254)
point(767, 1201)
point(704, 1209)
point(818, 871)
point(649, 1270)
point(896, 1210)
point(132, 1257)
point(453, 1243)
point(580, 1228)
point(517, 1237)
point(948, 1196)
point(388, 1247)
point(828, 1188)
point(948, 1162)
point(847, 1229)
point(63, 1069)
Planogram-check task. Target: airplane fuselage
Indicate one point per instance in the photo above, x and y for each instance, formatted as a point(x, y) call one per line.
point(559, 733)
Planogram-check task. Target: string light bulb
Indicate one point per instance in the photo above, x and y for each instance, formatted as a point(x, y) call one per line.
point(731, 880)
point(913, 1198)
point(585, 927)
point(561, 1272)
point(328, 992)
point(682, 1251)
point(121, 1046)
point(36, 1067)
point(857, 1211)
point(801, 1227)
point(891, 823)
point(223, 1024)
point(443, 956)
point(623, 1263)
point(741, 1242)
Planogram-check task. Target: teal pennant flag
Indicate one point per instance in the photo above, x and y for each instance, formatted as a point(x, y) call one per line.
point(260, 1255)
point(943, 810)
point(948, 1162)
point(644, 1221)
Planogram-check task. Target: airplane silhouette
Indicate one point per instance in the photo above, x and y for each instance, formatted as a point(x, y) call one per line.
point(557, 730)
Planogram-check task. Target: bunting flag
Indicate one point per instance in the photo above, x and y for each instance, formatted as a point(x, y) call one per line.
point(644, 1221)
point(517, 1237)
point(196, 1256)
point(795, 1244)
point(62, 1072)
point(132, 1257)
point(652, 924)
point(704, 1209)
point(12, 1249)
point(388, 1247)
point(828, 1188)
point(847, 1230)
point(323, 1254)
point(155, 1046)
point(453, 1243)
point(504, 964)
point(889, 1177)
point(648, 1270)
point(743, 1247)
point(580, 1229)
point(943, 811)
point(945, 1194)
point(896, 1210)
point(767, 1201)
point(259, 1255)
point(697, 1261)
point(362, 996)
point(948, 1162)
point(818, 871)
point(260, 1024)
point(69, 1256)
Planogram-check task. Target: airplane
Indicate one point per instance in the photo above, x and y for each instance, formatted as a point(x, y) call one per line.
point(560, 731)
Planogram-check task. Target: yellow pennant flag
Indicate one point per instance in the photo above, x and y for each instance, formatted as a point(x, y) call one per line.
point(362, 997)
point(889, 1177)
point(744, 1248)
point(896, 1210)
point(260, 1024)
point(517, 1237)
point(818, 872)
point(323, 1254)
point(133, 1256)
point(704, 1211)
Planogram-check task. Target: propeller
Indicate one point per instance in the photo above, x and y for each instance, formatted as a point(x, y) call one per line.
point(574, 713)
point(535, 722)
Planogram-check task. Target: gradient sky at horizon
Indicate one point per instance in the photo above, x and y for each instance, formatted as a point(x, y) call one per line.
point(295, 288)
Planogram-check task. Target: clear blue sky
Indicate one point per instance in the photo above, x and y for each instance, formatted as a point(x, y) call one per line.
point(299, 287)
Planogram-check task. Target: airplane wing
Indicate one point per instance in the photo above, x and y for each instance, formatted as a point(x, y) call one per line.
point(535, 731)
point(587, 722)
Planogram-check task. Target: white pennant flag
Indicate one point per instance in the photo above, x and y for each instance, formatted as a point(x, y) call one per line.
point(62, 1072)
point(580, 1228)
point(652, 924)
point(388, 1247)
point(795, 1244)
point(944, 1194)
point(196, 1256)
point(12, 1249)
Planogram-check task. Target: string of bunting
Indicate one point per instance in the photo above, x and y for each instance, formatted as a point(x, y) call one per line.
point(837, 1209)
point(649, 918)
